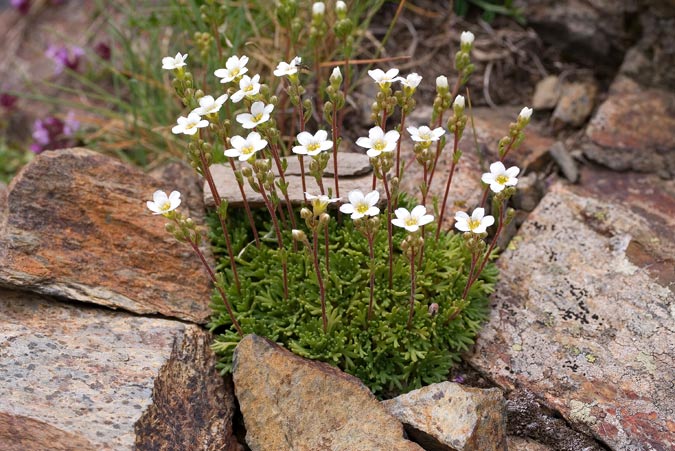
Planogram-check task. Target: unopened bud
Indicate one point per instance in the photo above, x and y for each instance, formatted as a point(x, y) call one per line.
point(340, 6)
point(466, 38)
point(299, 235)
point(433, 309)
point(441, 82)
point(336, 76)
point(318, 8)
point(459, 102)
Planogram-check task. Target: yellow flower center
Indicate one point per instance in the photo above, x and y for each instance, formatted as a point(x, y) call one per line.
point(410, 221)
point(190, 125)
point(166, 205)
point(379, 145)
point(362, 208)
point(248, 88)
point(502, 179)
point(257, 117)
point(247, 150)
point(313, 146)
point(234, 72)
point(473, 224)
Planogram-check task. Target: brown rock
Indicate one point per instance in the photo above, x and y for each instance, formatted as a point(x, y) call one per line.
point(77, 227)
point(575, 105)
point(354, 172)
point(583, 310)
point(290, 403)
point(525, 444)
point(531, 188)
point(452, 417)
point(633, 129)
point(546, 93)
point(3, 204)
point(90, 379)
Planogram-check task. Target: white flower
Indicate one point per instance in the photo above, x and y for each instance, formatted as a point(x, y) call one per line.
point(288, 68)
point(381, 77)
point(525, 113)
point(247, 87)
point(499, 177)
point(312, 144)
point(161, 204)
point(259, 114)
point(466, 38)
point(175, 62)
point(459, 102)
point(425, 134)
point(340, 6)
point(190, 124)
point(209, 105)
point(378, 141)
point(477, 223)
point(441, 82)
point(360, 205)
point(234, 67)
point(411, 81)
point(245, 148)
point(318, 8)
point(320, 202)
point(412, 220)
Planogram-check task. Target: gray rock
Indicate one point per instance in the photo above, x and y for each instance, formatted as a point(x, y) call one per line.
point(290, 403)
point(516, 443)
point(452, 417)
point(583, 312)
point(564, 161)
point(80, 378)
point(575, 105)
point(531, 189)
point(546, 93)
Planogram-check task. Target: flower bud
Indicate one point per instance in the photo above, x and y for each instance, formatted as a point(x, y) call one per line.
point(459, 102)
point(336, 76)
point(299, 235)
point(433, 309)
point(441, 82)
point(340, 6)
point(466, 38)
point(318, 9)
point(525, 113)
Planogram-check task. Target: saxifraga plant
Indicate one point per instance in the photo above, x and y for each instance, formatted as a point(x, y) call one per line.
point(380, 291)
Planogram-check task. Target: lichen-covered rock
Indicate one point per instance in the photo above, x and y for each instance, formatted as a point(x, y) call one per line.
point(452, 417)
point(633, 129)
point(77, 227)
point(290, 403)
point(79, 378)
point(583, 313)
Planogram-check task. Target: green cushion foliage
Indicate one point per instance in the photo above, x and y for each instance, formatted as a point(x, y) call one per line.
point(386, 355)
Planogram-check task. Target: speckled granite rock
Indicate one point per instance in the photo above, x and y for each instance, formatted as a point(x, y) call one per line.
point(77, 227)
point(290, 403)
point(633, 129)
point(452, 417)
point(83, 378)
point(546, 93)
point(583, 313)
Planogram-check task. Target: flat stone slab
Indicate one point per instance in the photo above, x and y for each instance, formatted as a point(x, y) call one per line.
point(76, 226)
point(290, 403)
point(354, 172)
point(584, 312)
point(83, 378)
